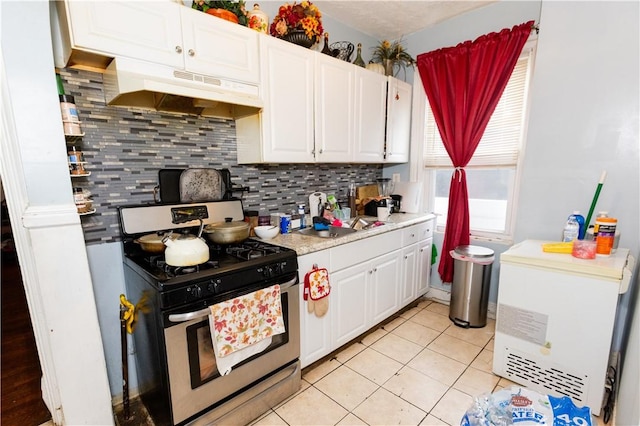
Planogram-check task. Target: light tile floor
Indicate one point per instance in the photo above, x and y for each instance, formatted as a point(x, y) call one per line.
point(418, 369)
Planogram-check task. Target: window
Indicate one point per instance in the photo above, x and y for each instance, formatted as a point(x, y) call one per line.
point(492, 173)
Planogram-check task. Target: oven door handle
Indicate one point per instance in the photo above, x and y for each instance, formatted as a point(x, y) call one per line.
point(206, 311)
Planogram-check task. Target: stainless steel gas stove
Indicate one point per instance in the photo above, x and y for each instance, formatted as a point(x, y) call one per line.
point(177, 375)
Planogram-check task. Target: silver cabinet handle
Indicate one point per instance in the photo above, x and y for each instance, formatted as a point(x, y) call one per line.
point(191, 52)
point(178, 49)
point(204, 312)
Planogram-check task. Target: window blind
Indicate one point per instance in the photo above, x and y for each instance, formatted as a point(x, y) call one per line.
point(501, 142)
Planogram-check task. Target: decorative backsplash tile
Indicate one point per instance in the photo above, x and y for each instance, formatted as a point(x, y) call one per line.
point(125, 148)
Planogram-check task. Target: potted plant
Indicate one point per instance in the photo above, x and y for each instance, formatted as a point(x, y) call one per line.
point(298, 23)
point(392, 55)
point(230, 10)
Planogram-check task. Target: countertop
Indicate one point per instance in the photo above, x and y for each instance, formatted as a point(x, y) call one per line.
point(304, 244)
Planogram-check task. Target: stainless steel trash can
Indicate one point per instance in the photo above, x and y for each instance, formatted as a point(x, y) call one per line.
point(470, 287)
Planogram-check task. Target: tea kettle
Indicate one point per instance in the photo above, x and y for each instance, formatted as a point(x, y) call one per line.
point(186, 250)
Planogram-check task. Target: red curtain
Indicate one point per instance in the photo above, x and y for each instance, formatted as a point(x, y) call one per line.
point(464, 84)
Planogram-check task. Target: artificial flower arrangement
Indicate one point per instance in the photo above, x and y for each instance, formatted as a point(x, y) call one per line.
point(304, 16)
point(393, 53)
point(236, 7)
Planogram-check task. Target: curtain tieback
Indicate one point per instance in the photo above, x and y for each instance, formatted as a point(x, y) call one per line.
point(458, 171)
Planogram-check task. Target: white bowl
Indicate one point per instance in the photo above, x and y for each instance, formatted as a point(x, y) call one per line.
point(266, 232)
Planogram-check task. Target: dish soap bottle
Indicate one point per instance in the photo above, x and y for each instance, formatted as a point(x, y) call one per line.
point(359, 61)
point(571, 230)
point(301, 212)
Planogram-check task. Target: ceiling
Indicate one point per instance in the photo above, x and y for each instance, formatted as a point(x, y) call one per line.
point(384, 19)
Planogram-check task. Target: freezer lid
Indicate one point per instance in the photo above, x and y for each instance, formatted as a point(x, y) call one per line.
point(529, 252)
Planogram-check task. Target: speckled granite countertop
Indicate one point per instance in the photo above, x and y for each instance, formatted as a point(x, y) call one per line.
point(304, 244)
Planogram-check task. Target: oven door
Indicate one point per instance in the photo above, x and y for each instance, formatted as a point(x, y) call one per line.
point(194, 380)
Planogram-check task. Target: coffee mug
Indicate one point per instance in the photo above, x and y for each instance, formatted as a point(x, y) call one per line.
point(383, 213)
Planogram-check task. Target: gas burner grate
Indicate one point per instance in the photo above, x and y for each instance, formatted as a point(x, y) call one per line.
point(159, 262)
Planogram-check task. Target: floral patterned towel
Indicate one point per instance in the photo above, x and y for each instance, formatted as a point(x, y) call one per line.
point(245, 320)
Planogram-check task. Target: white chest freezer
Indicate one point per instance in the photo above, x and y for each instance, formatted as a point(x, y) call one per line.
point(555, 320)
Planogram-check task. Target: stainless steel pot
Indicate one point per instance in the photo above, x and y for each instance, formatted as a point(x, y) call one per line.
point(227, 232)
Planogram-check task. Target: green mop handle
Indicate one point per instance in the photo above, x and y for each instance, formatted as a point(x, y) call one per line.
point(595, 198)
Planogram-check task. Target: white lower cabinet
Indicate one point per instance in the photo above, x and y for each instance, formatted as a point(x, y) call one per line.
point(350, 287)
point(423, 267)
point(315, 336)
point(371, 279)
point(385, 274)
point(409, 272)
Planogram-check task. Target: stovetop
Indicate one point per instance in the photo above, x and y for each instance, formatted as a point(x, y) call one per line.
point(223, 259)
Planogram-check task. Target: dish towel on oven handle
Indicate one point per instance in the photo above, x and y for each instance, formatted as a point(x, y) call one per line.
point(243, 326)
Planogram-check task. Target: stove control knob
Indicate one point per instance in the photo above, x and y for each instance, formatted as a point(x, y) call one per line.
point(211, 288)
point(195, 291)
point(268, 271)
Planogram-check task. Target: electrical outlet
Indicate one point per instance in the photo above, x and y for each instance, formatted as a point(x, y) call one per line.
point(396, 177)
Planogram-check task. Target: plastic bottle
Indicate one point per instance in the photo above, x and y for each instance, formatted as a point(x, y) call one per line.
point(580, 220)
point(301, 212)
point(571, 230)
point(605, 230)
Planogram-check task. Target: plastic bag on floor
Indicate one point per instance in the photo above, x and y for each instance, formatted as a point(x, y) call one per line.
point(521, 406)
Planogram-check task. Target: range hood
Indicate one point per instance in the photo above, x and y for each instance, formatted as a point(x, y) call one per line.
point(139, 84)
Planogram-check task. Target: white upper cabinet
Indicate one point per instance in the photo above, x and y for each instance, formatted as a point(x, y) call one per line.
point(167, 33)
point(334, 109)
point(284, 131)
point(398, 121)
point(114, 28)
point(370, 116)
point(215, 47)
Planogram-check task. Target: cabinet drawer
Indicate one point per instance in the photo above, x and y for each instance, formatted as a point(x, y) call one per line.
point(362, 250)
point(416, 233)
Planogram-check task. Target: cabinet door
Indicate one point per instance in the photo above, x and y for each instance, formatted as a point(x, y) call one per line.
point(315, 332)
point(334, 109)
point(408, 282)
point(287, 118)
point(385, 273)
point(398, 121)
point(370, 111)
point(215, 47)
point(349, 295)
point(424, 267)
point(131, 29)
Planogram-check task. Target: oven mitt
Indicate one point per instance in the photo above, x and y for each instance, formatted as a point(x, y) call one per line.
point(321, 306)
point(316, 290)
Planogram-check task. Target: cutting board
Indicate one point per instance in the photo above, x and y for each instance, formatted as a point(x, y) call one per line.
point(363, 192)
point(411, 193)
